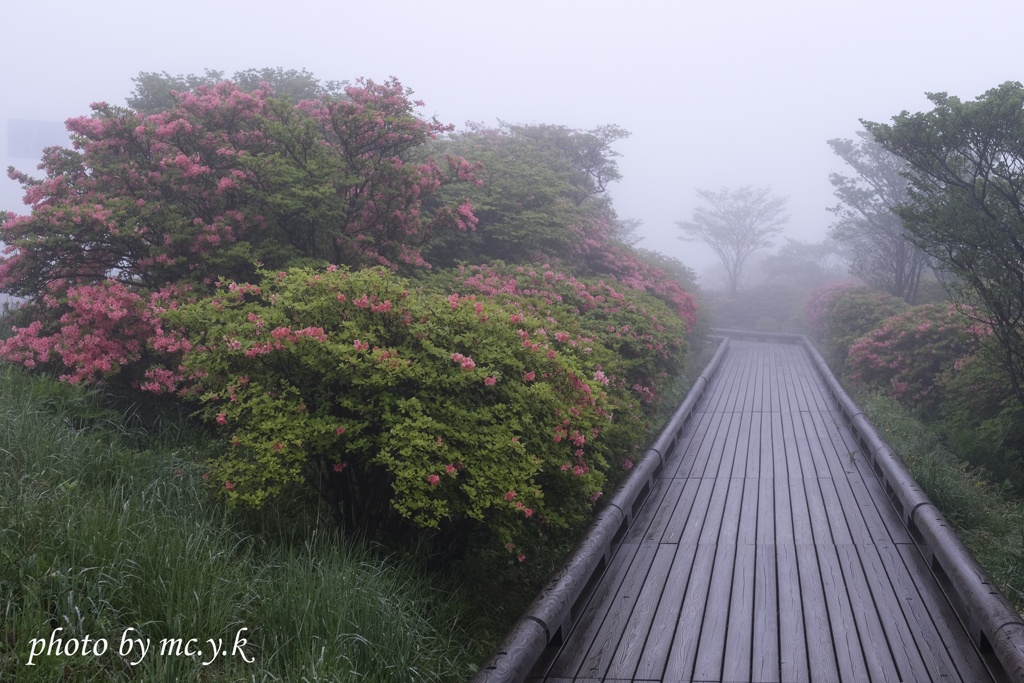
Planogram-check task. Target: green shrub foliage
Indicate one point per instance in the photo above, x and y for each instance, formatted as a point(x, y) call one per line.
point(503, 398)
point(446, 411)
point(854, 312)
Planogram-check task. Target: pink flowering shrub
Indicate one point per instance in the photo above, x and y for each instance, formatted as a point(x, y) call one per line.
point(853, 312)
point(202, 191)
point(299, 380)
point(393, 402)
point(91, 332)
point(906, 355)
point(636, 343)
point(636, 273)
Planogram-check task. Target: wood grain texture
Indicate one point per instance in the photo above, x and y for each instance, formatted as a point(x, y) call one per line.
point(624, 662)
point(666, 619)
point(768, 551)
point(765, 658)
point(683, 652)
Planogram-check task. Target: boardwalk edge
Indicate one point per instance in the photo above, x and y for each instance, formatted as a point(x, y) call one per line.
point(548, 620)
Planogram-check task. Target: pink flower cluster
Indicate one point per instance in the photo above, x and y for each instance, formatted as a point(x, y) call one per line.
point(465, 362)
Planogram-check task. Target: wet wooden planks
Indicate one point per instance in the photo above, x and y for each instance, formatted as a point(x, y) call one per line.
point(767, 552)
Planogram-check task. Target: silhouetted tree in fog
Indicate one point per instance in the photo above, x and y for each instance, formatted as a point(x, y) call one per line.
point(880, 253)
point(738, 223)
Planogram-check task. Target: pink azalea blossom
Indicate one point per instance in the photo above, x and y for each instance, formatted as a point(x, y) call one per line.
point(338, 467)
point(434, 479)
point(229, 486)
point(489, 381)
point(530, 376)
point(510, 495)
point(450, 469)
point(222, 418)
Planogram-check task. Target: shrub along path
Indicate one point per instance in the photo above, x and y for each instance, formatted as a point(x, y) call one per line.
point(767, 552)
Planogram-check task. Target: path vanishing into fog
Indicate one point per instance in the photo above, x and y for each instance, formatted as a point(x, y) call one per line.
point(767, 551)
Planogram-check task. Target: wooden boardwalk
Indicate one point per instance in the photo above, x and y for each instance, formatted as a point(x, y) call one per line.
point(766, 552)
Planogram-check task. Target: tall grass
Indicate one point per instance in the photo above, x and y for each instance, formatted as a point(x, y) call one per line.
point(104, 527)
point(988, 518)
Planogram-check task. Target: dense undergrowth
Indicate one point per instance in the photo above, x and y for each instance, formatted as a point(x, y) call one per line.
point(380, 329)
point(987, 516)
point(105, 526)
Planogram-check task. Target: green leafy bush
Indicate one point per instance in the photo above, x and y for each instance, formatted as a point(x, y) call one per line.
point(853, 313)
point(447, 412)
point(982, 419)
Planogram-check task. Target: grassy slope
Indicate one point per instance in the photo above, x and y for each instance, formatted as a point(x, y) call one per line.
point(103, 528)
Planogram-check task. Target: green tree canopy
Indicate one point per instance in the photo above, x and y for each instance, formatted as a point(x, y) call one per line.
point(966, 204)
point(540, 192)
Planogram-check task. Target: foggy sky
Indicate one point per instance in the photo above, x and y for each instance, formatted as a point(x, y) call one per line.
point(714, 94)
